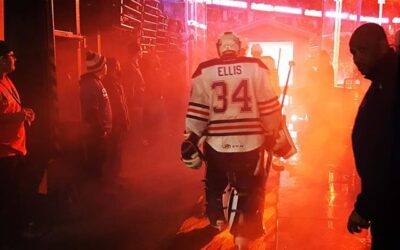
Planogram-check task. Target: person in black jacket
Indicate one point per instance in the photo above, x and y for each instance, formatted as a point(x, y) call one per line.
point(134, 86)
point(120, 118)
point(375, 138)
point(397, 41)
point(96, 115)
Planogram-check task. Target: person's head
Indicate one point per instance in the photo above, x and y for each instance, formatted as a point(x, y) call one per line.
point(256, 50)
point(113, 67)
point(96, 64)
point(368, 44)
point(228, 44)
point(7, 58)
point(397, 41)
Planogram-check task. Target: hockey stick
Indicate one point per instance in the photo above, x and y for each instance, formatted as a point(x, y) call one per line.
point(285, 89)
point(268, 163)
point(279, 59)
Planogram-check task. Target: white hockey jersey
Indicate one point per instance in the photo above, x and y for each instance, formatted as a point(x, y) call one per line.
point(233, 104)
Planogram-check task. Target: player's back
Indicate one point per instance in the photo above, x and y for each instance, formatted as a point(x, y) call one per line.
point(231, 83)
point(233, 86)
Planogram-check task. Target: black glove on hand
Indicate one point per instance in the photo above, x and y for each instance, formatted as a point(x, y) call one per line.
point(190, 155)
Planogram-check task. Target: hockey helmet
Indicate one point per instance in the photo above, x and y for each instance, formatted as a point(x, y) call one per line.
point(228, 42)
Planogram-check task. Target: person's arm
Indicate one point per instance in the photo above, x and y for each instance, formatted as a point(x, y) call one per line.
point(9, 117)
point(26, 114)
point(197, 118)
point(367, 201)
point(366, 160)
point(90, 107)
point(372, 147)
point(198, 112)
point(12, 117)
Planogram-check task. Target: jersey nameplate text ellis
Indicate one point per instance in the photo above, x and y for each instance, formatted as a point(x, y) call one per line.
point(229, 70)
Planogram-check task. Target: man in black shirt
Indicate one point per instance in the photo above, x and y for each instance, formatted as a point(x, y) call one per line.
point(375, 137)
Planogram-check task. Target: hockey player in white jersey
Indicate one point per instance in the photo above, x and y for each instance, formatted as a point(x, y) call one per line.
point(232, 104)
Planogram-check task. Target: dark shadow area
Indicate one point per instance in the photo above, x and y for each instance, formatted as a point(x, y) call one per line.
point(195, 239)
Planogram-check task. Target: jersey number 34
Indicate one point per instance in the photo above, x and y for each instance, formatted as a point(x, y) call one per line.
point(239, 95)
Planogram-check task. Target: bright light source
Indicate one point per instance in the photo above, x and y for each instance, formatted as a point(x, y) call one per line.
point(353, 17)
point(371, 19)
point(262, 7)
point(314, 13)
point(289, 10)
point(230, 3)
point(296, 11)
point(281, 9)
point(293, 118)
point(396, 20)
point(196, 24)
point(333, 14)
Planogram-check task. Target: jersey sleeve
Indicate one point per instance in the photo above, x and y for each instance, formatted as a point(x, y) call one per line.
point(198, 112)
point(267, 102)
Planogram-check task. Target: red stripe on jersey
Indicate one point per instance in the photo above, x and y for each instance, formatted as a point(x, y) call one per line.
point(273, 106)
point(235, 133)
point(235, 120)
point(198, 105)
point(270, 112)
point(234, 127)
point(268, 101)
point(199, 112)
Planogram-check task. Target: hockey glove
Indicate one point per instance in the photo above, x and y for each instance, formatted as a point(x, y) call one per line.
point(190, 155)
point(284, 146)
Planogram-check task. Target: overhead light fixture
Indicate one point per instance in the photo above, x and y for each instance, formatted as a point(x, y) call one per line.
point(230, 3)
point(289, 10)
point(314, 13)
point(262, 7)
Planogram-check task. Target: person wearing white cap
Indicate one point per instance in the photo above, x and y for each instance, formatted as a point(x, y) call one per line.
point(96, 115)
point(256, 51)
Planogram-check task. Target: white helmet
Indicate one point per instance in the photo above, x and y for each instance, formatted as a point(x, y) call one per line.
point(228, 42)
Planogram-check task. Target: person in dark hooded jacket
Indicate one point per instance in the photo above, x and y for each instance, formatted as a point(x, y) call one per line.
point(120, 117)
point(96, 115)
